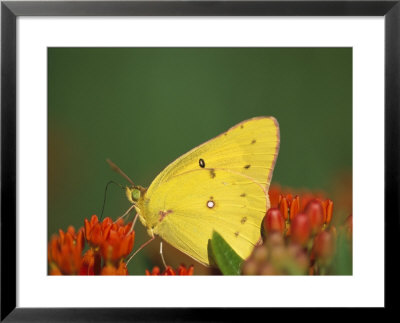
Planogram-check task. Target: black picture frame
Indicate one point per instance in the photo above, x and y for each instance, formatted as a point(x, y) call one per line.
point(10, 10)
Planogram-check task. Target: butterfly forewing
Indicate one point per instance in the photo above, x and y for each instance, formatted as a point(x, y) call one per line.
point(249, 148)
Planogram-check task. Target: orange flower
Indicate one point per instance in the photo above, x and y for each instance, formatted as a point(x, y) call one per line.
point(114, 239)
point(111, 270)
point(110, 242)
point(309, 242)
point(118, 243)
point(155, 271)
point(319, 211)
point(181, 271)
point(91, 264)
point(94, 231)
point(274, 193)
point(289, 206)
point(65, 252)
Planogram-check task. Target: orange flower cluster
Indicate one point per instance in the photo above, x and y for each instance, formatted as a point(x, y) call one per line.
point(109, 243)
point(277, 257)
point(181, 271)
point(298, 237)
point(112, 240)
point(65, 252)
point(277, 193)
point(299, 218)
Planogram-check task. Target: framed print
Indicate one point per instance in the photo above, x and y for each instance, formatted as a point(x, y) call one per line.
point(209, 140)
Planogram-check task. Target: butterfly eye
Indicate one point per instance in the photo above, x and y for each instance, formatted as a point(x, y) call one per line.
point(202, 163)
point(135, 195)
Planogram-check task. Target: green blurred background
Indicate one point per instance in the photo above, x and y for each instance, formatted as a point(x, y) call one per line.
point(144, 107)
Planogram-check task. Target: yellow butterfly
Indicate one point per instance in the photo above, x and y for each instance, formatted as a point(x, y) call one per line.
point(221, 185)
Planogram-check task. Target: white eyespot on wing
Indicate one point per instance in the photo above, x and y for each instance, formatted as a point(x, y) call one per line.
point(210, 204)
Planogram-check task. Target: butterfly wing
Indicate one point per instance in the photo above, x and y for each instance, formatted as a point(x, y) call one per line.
point(220, 185)
point(228, 203)
point(249, 148)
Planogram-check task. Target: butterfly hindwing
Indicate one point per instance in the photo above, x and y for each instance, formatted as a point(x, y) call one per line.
point(231, 204)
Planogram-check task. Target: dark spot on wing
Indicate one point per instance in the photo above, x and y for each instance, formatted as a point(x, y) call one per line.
point(253, 141)
point(247, 166)
point(202, 163)
point(212, 173)
point(243, 195)
point(236, 234)
point(244, 219)
point(241, 126)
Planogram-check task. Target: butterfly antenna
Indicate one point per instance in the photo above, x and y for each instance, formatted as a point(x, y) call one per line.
point(118, 170)
point(105, 196)
point(162, 256)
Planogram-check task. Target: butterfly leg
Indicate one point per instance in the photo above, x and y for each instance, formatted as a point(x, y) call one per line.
point(162, 255)
point(126, 213)
point(140, 248)
point(135, 219)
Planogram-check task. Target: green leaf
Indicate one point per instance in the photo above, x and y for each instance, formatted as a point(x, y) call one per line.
point(227, 260)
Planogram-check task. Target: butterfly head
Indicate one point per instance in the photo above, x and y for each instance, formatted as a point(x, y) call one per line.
point(134, 193)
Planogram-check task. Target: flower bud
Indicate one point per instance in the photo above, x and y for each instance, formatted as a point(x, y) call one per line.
point(279, 255)
point(324, 246)
point(260, 254)
point(302, 262)
point(250, 268)
point(273, 221)
point(275, 239)
point(315, 213)
point(294, 249)
point(300, 229)
point(268, 269)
